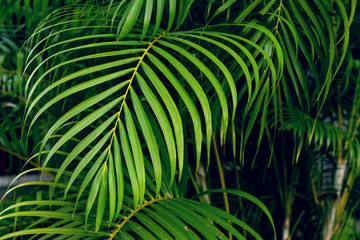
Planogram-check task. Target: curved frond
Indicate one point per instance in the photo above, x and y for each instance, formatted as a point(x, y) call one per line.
point(157, 218)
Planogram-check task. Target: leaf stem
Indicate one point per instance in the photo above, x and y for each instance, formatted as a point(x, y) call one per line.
point(222, 179)
point(126, 93)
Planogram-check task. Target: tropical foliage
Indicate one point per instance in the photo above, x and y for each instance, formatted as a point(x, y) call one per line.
point(159, 119)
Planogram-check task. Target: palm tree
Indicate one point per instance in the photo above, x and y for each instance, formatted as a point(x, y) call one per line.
point(142, 112)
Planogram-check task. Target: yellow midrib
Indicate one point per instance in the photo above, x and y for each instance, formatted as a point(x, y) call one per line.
point(119, 226)
point(125, 95)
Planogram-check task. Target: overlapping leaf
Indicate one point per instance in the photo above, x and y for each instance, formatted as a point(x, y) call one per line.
point(162, 217)
point(129, 92)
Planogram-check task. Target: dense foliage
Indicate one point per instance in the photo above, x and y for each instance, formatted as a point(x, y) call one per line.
point(171, 119)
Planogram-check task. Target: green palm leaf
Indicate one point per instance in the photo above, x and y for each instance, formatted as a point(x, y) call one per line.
point(124, 102)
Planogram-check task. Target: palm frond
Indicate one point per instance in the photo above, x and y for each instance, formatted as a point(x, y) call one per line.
point(142, 70)
point(155, 218)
